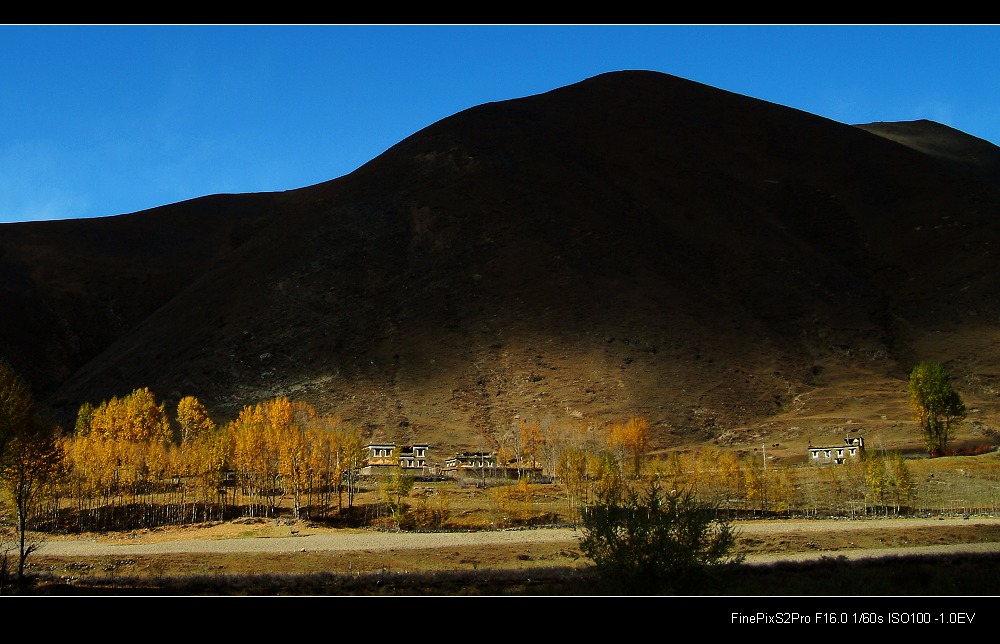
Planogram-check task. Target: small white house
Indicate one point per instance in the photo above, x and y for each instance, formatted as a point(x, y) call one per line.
point(837, 454)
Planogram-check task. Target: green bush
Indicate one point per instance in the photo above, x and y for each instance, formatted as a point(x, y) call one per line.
point(646, 541)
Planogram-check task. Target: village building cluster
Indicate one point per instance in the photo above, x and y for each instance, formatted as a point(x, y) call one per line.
point(413, 460)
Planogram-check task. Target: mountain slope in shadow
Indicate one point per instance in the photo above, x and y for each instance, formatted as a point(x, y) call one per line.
point(736, 271)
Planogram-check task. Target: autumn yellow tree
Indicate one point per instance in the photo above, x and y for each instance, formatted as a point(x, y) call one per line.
point(207, 457)
point(531, 442)
point(136, 417)
point(609, 483)
point(617, 443)
point(553, 440)
point(630, 439)
point(193, 419)
point(783, 496)
point(875, 480)
point(28, 455)
point(291, 423)
point(755, 485)
point(349, 454)
point(672, 470)
point(511, 503)
point(396, 486)
point(572, 473)
point(90, 468)
point(32, 461)
point(17, 406)
point(731, 474)
point(900, 481)
point(125, 430)
point(251, 457)
point(335, 453)
point(705, 482)
point(835, 485)
point(270, 451)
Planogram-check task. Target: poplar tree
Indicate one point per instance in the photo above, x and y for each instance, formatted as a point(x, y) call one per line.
point(936, 406)
point(17, 406)
point(193, 419)
point(28, 455)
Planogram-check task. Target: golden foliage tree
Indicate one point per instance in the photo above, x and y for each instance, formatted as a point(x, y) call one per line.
point(193, 419)
point(28, 455)
point(785, 480)
point(755, 486)
point(531, 442)
point(17, 406)
point(349, 454)
point(731, 474)
point(251, 458)
point(396, 486)
point(208, 456)
point(901, 480)
point(630, 439)
point(875, 480)
point(512, 503)
point(572, 473)
point(134, 418)
point(292, 436)
point(32, 461)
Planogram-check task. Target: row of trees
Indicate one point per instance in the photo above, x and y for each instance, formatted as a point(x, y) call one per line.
point(124, 465)
point(741, 484)
point(123, 452)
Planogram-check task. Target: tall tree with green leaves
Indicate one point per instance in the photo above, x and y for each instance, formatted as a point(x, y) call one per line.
point(936, 406)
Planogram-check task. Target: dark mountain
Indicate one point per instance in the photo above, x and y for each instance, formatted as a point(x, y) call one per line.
point(736, 271)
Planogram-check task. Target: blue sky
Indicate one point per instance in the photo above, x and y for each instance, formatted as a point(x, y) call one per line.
point(104, 120)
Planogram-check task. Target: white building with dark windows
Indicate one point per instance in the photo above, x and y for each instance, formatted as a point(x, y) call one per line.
point(484, 465)
point(837, 454)
point(414, 457)
point(382, 456)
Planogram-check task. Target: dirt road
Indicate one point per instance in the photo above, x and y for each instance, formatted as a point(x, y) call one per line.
point(319, 540)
